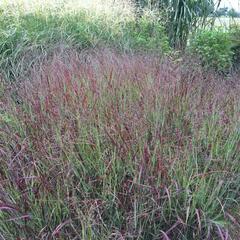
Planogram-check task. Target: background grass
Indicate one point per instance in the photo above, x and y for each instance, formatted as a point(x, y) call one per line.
point(38, 29)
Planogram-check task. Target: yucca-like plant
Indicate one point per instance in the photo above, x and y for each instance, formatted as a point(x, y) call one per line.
point(182, 16)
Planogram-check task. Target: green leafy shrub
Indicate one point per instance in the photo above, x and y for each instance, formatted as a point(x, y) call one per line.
point(235, 38)
point(213, 47)
point(147, 34)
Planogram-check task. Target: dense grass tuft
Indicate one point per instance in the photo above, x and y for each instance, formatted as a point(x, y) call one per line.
point(102, 145)
point(105, 134)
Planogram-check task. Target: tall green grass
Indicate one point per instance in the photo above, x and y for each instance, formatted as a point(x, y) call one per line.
point(29, 31)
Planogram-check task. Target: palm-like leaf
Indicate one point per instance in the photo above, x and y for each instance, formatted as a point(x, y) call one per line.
point(183, 16)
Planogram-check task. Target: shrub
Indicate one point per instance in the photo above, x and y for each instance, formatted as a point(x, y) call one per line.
point(235, 38)
point(213, 47)
point(147, 33)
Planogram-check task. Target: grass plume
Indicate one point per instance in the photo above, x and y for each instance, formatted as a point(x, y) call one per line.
point(103, 145)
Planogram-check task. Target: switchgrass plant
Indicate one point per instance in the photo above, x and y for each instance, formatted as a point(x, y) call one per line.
point(102, 145)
